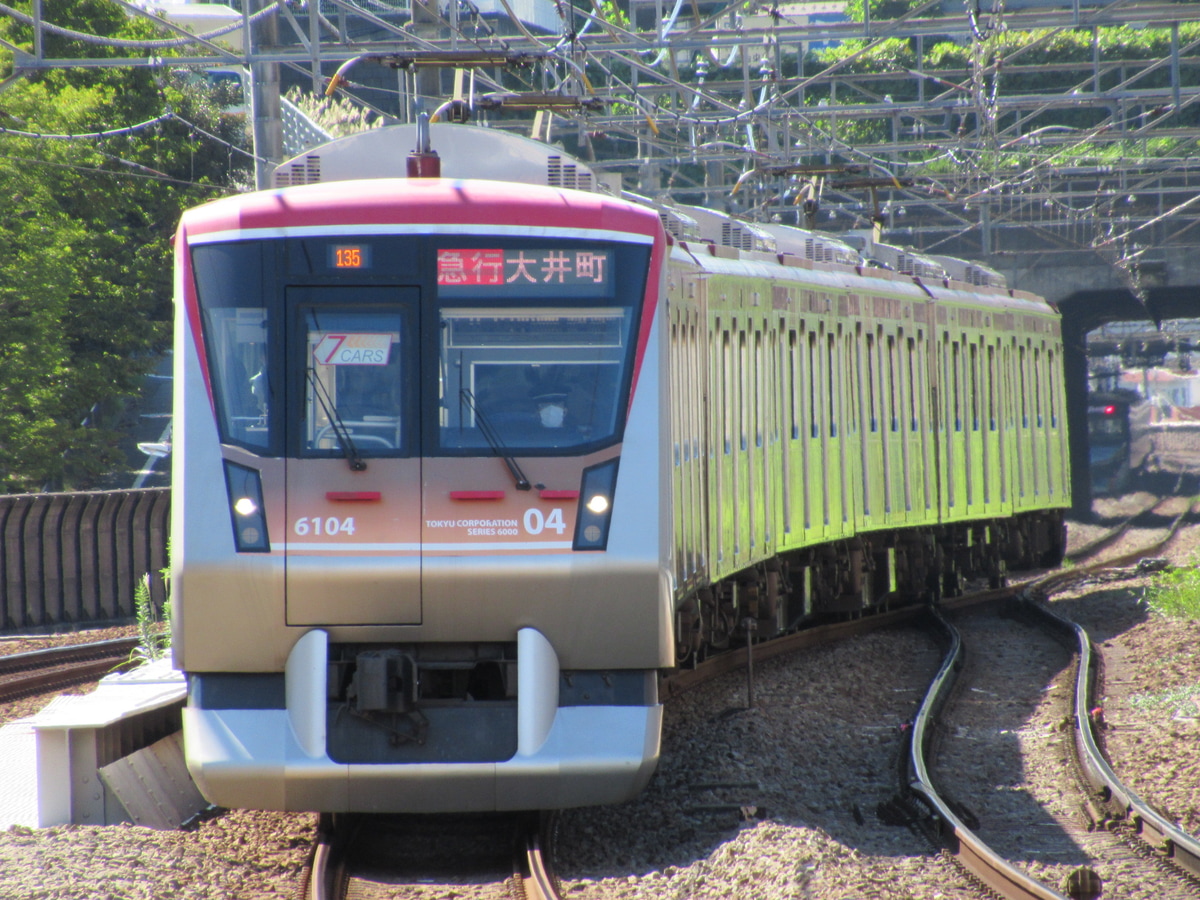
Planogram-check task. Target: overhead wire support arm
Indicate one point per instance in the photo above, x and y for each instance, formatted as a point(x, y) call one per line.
point(459, 59)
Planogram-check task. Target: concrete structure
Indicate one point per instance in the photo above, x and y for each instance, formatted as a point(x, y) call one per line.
point(1090, 290)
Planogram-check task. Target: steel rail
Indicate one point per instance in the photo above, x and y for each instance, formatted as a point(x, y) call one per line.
point(1057, 581)
point(1111, 536)
point(15, 662)
point(316, 880)
point(992, 870)
point(323, 877)
point(532, 871)
point(1109, 792)
point(22, 674)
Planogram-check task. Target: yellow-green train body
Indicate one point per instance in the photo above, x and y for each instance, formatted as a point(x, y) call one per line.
point(845, 436)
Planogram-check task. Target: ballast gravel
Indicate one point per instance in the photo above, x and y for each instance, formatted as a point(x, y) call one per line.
point(789, 799)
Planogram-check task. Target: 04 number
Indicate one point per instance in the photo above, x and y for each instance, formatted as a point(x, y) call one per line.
point(317, 525)
point(535, 522)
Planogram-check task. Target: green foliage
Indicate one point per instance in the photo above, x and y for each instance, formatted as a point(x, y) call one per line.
point(1176, 593)
point(1009, 63)
point(1180, 701)
point(85, 250)
point(154, 634)
point(883, 9)
point(614, 14)
point(154, 627)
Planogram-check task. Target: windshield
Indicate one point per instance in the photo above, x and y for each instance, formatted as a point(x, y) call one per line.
point(237, 329)
point(442, 344)
point(535, 343)
point(538, 378)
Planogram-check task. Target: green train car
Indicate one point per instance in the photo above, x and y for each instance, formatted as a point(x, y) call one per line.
point(849, 433)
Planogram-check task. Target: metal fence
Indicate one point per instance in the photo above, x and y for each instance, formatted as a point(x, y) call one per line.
point(72, 560)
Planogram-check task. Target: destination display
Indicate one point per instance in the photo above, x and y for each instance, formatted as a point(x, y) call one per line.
point(524, 272)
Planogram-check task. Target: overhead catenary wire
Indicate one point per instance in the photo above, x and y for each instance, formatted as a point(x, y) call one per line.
point(991, 159)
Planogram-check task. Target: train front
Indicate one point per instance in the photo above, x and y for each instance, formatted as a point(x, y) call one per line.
point(419, 538)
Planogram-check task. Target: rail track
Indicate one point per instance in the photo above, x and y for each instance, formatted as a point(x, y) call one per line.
point(1061, 579)
point(1114, 813)
point(361, 857)
point(1111, 805)
point(41, 671)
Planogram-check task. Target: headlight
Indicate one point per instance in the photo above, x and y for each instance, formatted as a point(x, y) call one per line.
point(595, 506)
point(246, 509)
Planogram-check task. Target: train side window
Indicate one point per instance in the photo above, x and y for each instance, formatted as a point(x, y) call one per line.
point(893, 405)
point(991, 377)
point(813, 393)
point(956, 398)
point(1038, 387)
point(831, 356)
point(976, 398)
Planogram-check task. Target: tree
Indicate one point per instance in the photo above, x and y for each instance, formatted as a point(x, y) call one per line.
point(85, 264)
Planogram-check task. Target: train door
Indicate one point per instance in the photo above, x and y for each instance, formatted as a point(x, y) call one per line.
point(352, 554)
point(895, 477)
point(910, 435)
point(997, 473)
point(790, 418)
point(969, 414)
point(924, 420)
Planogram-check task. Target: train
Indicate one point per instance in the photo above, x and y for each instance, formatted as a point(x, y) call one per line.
point(1116, 454)
point(471, 447)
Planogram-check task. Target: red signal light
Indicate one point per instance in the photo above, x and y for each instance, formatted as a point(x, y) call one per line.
point(1110, 410)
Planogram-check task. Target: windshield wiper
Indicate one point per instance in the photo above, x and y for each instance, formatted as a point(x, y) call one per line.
point(335, 422)
point(497, 445)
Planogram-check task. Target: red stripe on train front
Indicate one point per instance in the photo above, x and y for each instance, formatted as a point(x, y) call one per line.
point(191, 307)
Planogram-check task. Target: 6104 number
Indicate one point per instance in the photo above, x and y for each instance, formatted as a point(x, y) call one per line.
point(317, 525)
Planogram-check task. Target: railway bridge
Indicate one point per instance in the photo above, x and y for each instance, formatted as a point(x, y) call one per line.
point(1091, 290)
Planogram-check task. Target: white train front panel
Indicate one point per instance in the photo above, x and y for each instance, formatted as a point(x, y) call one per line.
point(420, 542)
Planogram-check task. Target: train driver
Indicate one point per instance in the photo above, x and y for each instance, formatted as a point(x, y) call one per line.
point(552, 409)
